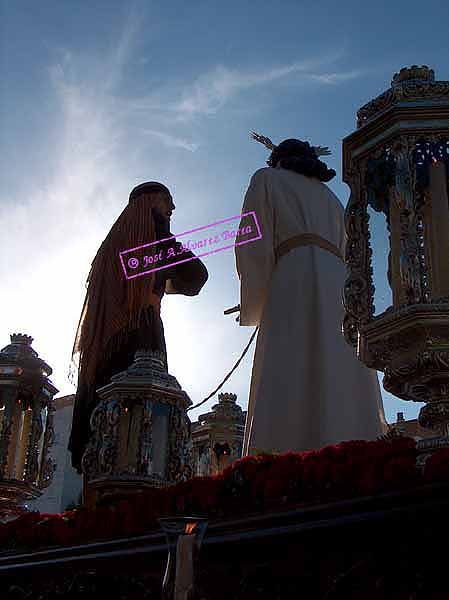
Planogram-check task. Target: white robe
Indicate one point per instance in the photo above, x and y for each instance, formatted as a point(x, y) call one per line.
point(308, 389)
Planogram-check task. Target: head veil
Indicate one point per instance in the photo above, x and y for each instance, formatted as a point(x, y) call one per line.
point(113, 304)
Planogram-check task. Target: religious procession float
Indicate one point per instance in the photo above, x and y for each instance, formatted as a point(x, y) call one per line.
point(358, 519)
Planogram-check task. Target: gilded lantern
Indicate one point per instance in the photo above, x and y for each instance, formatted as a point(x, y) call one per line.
point(397, 222)
point(26, 423)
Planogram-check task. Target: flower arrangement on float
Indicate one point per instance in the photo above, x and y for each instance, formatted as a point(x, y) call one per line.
point(250, 485)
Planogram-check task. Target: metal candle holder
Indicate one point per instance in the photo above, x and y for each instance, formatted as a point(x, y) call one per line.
point(179, 578)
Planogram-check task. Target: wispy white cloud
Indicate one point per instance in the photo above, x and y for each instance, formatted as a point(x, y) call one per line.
point(335, 78)
point(212, 90)
point(171, 140)
point(123, 50)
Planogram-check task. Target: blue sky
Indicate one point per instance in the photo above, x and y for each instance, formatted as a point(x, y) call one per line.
point(99, 96)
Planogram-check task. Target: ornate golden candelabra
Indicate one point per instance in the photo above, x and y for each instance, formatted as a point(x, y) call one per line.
point(26, 424)
point(397, 166)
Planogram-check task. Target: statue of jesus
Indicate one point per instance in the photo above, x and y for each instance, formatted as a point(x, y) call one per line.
point(308, 389)
point(120, 315)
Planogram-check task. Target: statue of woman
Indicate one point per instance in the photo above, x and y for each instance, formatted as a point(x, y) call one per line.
point(120, 315)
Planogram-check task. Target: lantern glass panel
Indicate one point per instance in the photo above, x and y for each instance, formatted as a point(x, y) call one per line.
point(20, 445)
point(44, 413)
point(380, 246)
point(160, 439)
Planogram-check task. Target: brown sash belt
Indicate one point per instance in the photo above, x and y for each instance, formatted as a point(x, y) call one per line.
point(306, 239)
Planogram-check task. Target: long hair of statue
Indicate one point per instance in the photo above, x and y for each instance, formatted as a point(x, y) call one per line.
point(113, 303)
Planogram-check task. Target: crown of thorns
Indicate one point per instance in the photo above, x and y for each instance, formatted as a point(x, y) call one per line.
point(319, 150)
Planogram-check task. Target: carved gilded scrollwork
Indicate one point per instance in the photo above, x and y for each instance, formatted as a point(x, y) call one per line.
point(100, 453)
point(358, 294)
point(146, 439)
point(47, 466)
point(9, 397)
point(415, 83)
point(180, 467)
point(435, 415)
point(109, 437)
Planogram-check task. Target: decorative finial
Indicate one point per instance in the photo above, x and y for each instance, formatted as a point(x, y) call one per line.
point(413, 75)
point(21, 338)
point(227, 397)
point(410, 84)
